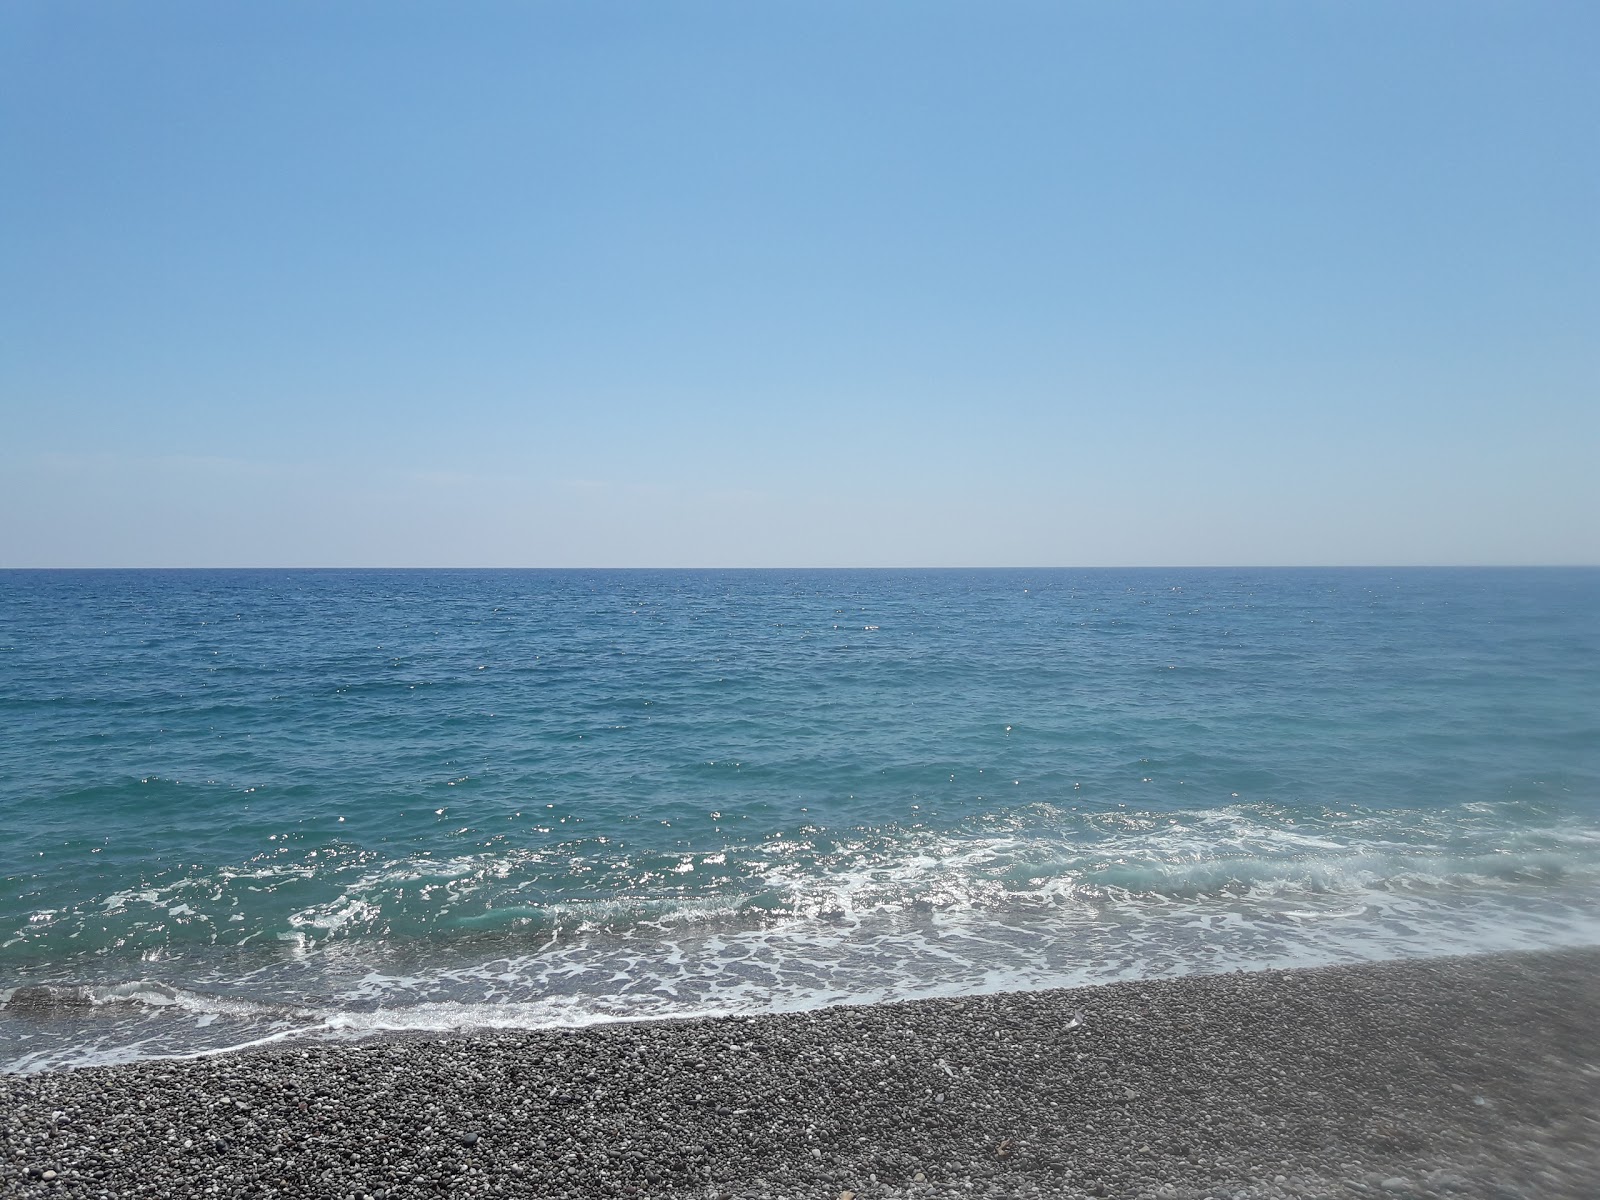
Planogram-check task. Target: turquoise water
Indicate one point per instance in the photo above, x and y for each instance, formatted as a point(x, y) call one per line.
point(272, 804)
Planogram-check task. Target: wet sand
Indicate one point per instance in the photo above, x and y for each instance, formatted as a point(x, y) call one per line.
point(1474, 1077)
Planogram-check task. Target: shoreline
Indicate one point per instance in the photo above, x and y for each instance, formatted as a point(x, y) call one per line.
point(1470, 1077)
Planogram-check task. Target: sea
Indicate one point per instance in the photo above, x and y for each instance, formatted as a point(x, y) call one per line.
point(241, 808)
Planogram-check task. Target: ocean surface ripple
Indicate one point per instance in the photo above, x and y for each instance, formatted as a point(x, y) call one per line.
point(244, 806)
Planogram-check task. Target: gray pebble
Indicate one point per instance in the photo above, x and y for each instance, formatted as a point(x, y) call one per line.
point(1345, 1080)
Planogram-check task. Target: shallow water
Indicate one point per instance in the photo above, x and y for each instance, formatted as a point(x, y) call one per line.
point(254, 805)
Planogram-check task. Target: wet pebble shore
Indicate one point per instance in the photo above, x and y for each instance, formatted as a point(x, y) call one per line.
point(1474, 1077)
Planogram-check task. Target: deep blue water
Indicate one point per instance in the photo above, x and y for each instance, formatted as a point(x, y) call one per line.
point(259, 804)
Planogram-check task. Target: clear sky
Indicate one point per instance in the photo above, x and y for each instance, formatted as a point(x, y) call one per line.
point(785, 283)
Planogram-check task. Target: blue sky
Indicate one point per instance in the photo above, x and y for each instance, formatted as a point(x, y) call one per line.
point(814, 283)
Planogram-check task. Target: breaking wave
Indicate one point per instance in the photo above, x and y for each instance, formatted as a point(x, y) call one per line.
point(1046, 898)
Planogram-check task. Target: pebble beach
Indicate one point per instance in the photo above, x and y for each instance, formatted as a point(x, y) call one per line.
point(1473, 1077)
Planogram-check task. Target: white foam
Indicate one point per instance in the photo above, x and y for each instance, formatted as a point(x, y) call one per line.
point(1054, 900)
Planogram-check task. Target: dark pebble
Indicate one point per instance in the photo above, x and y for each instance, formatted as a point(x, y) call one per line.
point(1470, 1078)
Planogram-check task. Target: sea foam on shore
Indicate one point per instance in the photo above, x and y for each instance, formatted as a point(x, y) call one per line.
point(1475, 1077)
point(313, 806)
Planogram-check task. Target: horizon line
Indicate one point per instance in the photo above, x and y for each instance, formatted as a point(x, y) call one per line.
point(1307, 566)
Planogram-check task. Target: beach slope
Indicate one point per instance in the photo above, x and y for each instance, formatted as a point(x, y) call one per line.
point(1476, 1077)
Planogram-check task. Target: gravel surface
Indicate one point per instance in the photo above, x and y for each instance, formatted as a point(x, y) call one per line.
point(1476, 1077)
